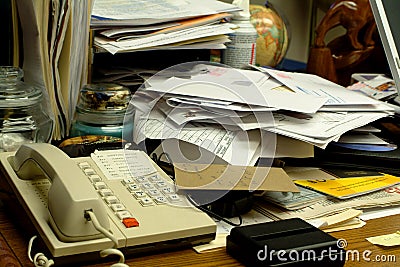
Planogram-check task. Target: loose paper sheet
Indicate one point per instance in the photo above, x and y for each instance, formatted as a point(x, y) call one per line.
point(386, 240)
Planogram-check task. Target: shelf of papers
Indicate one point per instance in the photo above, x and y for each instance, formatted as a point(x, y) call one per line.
point(133, 42)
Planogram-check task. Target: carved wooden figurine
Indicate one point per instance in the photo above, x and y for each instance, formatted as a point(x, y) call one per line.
point(348, 50)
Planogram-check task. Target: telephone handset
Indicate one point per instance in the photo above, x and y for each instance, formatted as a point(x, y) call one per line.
point(69, 195)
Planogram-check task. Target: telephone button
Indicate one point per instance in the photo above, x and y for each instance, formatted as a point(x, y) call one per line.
point(111, 200)
point(168, 190)
point(133, 187)
point(146, 202)
point(130, 222)
point(155, 178)
point(139, 194)
point(127, 181)
point(161, 200)
point(141, 179)
point(94, 178)
point(148, 186)
point(100, 185)
point(154, 192)
point(123, 214)
point(174, 198)
point(84, 165)
point(117, 207)
point(105, 192)
point(89, 171)
point(161, 184)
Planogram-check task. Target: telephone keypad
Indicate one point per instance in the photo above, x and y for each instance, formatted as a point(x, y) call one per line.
point(147, 190)
point(154, 188)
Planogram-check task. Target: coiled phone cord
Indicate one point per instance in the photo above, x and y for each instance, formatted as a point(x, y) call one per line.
point(110, 251)
point(40, 260)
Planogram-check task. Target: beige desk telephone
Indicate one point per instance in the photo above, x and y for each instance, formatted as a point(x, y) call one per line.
point(57, 191)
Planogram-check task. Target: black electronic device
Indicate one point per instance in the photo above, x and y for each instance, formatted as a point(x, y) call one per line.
point(291, 242)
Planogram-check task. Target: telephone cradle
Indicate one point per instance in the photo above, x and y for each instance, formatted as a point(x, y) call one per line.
point(143, 212)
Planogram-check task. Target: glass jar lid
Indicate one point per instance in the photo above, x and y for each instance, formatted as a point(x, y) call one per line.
point(104, 97)
point(10, 74)
point(15, 93)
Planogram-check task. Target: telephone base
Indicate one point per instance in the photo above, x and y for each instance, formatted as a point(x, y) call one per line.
point(137, 251)
point(182, 225)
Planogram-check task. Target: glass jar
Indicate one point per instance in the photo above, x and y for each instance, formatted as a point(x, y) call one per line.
point(23, 118)
point(101, 110)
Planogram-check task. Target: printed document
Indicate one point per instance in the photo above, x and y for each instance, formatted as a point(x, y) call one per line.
point(142, 12)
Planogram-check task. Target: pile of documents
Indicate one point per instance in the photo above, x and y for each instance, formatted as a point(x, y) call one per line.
point(125, 25)
point(330, 206)
point(241, 116)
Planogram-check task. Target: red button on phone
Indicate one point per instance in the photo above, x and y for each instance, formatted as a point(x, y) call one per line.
point(130, 222)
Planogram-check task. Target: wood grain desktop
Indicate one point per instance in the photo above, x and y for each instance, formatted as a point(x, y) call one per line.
point(15, 240)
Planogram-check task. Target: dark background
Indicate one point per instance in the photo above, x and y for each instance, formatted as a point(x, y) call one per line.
point(6, 44)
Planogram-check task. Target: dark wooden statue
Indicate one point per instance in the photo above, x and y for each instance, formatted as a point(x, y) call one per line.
point(345, 52)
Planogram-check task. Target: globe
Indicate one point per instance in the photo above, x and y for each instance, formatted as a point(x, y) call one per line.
point(273, 39)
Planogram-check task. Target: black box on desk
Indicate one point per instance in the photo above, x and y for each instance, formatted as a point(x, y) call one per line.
point(291, 242)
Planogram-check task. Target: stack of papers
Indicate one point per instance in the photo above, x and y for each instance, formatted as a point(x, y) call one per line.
point(126, 25)
point(240, 116)
point(55, 41)
point(278, 205)
point(382, 198)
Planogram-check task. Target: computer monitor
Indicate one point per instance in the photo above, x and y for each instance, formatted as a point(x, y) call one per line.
point(387, 18)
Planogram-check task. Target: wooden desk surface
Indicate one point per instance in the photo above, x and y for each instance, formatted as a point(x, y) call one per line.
point(15, 239)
